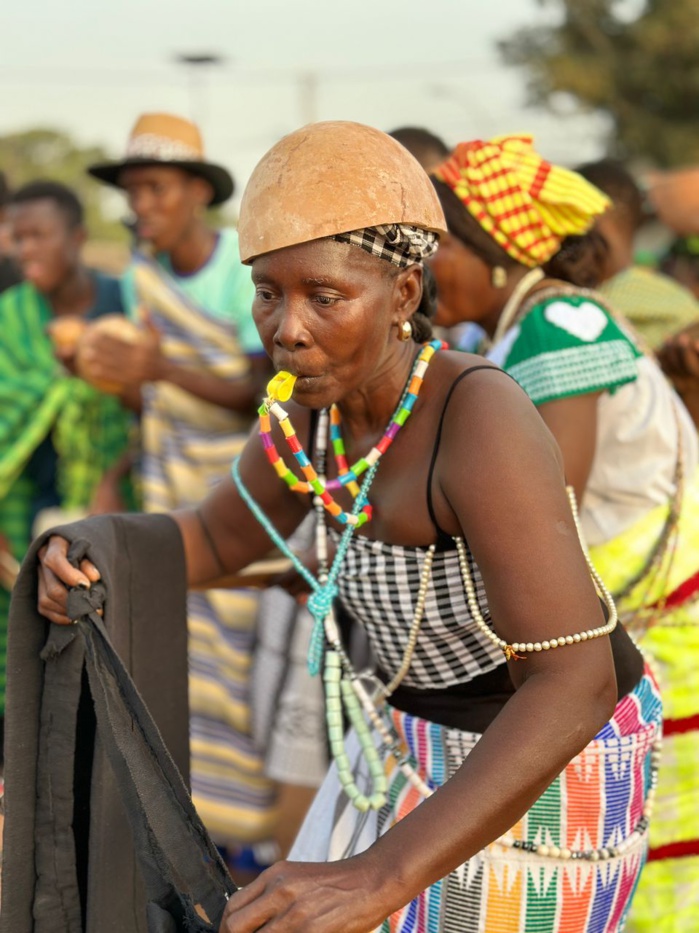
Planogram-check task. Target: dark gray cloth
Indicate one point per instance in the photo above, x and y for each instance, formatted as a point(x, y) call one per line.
point(141, 561)
point(9, 274)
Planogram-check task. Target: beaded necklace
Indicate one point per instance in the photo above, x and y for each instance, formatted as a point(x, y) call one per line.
point(348, 476)
point(345, 689)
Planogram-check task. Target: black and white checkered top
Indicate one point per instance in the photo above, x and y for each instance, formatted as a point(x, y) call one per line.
point(378, 588)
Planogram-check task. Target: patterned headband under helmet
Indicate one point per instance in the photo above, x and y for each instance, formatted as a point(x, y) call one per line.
point(400, 244)
point(526, 204)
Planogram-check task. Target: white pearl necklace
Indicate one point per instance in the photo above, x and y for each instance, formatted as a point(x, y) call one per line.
point(369, 700)
point(415, 626)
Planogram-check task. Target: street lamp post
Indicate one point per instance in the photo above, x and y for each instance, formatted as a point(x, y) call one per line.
point(198, 65)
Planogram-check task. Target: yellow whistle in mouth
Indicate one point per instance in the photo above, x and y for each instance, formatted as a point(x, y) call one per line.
point(281, 387)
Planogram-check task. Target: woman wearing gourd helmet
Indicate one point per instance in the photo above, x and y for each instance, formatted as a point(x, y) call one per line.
point(455, 490)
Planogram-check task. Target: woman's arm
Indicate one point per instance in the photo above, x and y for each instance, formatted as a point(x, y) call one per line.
point(573, 423)
point(504, 488)
point(133, 364)
point(220, 537)
point(501, 486)
point(679, 358)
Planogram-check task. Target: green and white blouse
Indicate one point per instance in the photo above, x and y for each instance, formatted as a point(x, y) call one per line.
point(566, 344)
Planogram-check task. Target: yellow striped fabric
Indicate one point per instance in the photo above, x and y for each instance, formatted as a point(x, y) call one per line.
point(526, 204)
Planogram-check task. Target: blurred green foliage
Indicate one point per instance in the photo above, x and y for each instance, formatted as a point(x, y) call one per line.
point(51, 154)
point(635, 60)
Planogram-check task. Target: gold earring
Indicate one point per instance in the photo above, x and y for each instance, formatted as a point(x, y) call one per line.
point(498, 277)
point(405, 331)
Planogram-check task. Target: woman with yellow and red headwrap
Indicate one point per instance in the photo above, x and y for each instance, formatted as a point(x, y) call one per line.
point(520, 258)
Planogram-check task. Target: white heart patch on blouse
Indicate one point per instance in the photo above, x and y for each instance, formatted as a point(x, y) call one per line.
point(586, 322)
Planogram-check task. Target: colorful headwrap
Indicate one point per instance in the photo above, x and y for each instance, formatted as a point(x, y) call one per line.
point(527, 205)
point(399, 244)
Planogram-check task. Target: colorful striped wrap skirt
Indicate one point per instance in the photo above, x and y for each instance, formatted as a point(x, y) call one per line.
point(188, 446)
point(595, 803)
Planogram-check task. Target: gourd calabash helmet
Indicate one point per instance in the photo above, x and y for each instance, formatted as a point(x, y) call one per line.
point(331, 178)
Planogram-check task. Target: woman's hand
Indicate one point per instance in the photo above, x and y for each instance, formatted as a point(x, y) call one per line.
point(57, 575)
point(679, 358)
point(301, 897)
point(292, 581)
point(123, 362)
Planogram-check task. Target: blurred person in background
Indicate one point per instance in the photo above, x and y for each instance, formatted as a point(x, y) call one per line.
point(9, 271)
point(681, 262)
point(429, 149)
point(522, 252)
point(656, 305)
point(679, 353)
point(199, 374)
point(58, 435)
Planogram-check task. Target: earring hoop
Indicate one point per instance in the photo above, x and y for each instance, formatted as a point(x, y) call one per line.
point(405, 331)
point(498, 277)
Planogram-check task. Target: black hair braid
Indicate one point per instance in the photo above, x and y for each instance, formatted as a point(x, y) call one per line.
point(63, 197)
point(421, 321)
point(580, 260)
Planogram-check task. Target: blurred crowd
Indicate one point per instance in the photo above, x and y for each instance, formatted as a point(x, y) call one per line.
point(136, 393)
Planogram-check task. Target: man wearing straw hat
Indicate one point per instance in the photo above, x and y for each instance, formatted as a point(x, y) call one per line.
point(198, 374)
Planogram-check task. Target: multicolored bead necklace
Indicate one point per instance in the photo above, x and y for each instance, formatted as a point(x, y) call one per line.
point(280, 389)
point(345, 689)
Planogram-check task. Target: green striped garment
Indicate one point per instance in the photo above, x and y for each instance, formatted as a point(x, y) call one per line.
point(89, 430)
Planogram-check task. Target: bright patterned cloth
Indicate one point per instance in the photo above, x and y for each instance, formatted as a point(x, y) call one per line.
point(188, 446)
point(667, 900)
point(526, 204)
point(596, 802)
point(566, 344)
point(78, 431)
point(656, 305)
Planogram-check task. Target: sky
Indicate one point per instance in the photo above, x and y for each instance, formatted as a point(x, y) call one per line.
point(90, 68)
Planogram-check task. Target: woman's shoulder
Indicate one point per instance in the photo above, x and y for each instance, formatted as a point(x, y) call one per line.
point(486, 415)
point(477, 385)
point(456, 368)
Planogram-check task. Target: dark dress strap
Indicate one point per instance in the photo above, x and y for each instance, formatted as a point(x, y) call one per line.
point(445, 541)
